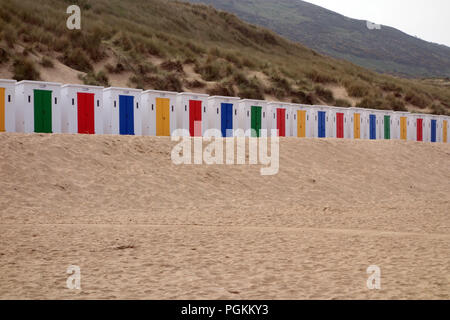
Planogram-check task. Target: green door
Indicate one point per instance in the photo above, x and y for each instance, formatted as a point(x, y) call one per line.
point(387, 127)
point(43, 111)
point(256, 121)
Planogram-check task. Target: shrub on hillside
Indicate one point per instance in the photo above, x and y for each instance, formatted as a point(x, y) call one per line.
point(222, 89)
point(194, 84)
point(343, 103)
point(324, 94)
point(77, 59)
point(373, 103)
point(357, 91)
point(95, 79)
point(303, 97)
point(172, 65)
point(320, 77)
point(46, 62)
point(417, 99)
point(395, 103)
point(24, 69)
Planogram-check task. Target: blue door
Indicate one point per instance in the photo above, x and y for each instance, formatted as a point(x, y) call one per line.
point(126, 115)
point(227, 119)
point(321, 122)
point(433, 130)
point(373, 127)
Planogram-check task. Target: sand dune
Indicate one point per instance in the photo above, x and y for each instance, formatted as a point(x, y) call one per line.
point(140, 227)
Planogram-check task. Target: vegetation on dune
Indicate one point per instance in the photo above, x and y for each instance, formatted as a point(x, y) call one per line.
point(154, 43)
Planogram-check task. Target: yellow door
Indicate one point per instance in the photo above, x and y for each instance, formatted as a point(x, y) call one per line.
point(357, 126)
point(445, 131)
point(403, 131)
point(2, 109)
point(162, 117)
point(301, 123)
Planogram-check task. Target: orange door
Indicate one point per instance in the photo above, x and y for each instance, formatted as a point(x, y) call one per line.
point(445, 131)
point(301, 123)
point(357, 126)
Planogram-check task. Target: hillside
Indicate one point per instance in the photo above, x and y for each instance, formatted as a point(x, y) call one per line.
point(153, 44)
point(386, 50)
point(140, 227)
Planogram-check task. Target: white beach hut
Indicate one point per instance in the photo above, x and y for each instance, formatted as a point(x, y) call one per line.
point(191, 112)
point(222, 114)
point(38, 107)
point(158, 112)
point(81, 109)
point(7, 105)
point(122, 111)
point(253, 116)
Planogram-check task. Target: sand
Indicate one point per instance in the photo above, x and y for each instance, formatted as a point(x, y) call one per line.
point(140, 227)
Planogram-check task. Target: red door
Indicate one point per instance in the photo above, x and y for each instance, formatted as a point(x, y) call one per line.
point(419, 130)
point(86, 122)
point(195, 118)
point(340, 125)
point(281, 122)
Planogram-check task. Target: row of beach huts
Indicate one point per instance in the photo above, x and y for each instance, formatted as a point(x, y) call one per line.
point(46, 107)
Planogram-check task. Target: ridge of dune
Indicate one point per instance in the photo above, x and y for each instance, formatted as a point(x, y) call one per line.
point(141, 227)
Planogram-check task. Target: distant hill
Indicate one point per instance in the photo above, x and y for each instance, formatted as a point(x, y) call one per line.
point(385, 50)
point(180, 46)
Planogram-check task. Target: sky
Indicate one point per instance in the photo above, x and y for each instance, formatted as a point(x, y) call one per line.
point(426, 19)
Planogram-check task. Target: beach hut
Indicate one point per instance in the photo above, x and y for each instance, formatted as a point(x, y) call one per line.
point(81, 109)
point(390, 126)
point(340, 123)
point(416, 127)
point(371, 124)
point(158, 113)
point(253, 116)
point(7, 106)
point(302, 126)
point(322, 121)
point(191, 112)
point(399, 130)
point(434, 127)
point(357, 125)
point(279, 118)
point(121, 111)
point(222, 114)
point(38, 107)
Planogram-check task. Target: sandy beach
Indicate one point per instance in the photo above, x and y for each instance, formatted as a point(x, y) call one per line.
point(140, 227)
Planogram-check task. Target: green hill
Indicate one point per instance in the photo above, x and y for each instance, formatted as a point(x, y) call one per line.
point(386, 50)
point(170, 45)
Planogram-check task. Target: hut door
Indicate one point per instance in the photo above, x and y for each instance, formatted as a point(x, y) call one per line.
point(321, 123)
point(301, 123)
point(86, 122)
point(339, 125)
point(419, 130)
point(43, 111)
point(433, 130)
point(126, 115)
point(227, 119)
point(281, 122)
point(256, 121)
point(387, 127)
point(357, 126)
point(2, 110)
point(373, 127)
point(444, 131)
point(162, 117)
point(195, 118)
point(403, 130)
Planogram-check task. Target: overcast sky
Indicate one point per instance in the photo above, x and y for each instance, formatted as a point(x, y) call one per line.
point(426, 19)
